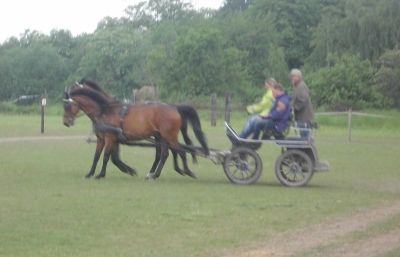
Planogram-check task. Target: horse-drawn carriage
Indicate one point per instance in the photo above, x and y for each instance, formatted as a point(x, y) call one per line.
point(294, 167)
point(158, 125)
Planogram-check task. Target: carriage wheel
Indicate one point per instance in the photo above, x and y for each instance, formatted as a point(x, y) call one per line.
point(294, 168)
point(243, 166)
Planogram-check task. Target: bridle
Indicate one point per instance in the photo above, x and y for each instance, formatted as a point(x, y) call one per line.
point(71, 101)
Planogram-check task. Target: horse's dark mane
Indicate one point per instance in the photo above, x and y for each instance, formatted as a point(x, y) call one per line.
point(105, 104)
point(93, 85)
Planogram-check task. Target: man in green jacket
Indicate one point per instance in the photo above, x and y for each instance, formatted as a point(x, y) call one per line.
point(302, 106)
point(259, 110)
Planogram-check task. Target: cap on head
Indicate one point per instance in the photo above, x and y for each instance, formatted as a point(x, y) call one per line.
point(296, 72)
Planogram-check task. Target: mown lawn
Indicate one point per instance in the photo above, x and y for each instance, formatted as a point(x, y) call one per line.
point(48, 209)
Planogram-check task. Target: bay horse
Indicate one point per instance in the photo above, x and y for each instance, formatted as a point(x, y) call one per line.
point(139, 122)
point(187, 112)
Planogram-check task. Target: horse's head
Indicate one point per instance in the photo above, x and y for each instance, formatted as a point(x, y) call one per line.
point(71, 108)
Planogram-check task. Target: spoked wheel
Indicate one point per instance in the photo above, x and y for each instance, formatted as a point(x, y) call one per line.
point(294, 168)
point(243, 166)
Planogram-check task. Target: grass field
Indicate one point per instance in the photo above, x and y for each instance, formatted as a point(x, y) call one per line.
point(48, 209)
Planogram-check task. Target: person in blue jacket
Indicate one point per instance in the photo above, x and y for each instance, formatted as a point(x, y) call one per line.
point(278, 118)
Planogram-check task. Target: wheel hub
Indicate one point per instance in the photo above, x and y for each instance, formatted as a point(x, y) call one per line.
point(295, 167)
point(242, 165)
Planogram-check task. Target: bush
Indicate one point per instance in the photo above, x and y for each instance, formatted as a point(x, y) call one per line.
point(348, 83)
point(388, 78)
point(11, 108)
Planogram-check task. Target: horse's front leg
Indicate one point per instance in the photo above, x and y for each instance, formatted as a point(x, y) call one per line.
point(107, 153)
point(97, 153)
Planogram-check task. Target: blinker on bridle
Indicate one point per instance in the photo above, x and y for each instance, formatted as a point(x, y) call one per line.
point(68, 91)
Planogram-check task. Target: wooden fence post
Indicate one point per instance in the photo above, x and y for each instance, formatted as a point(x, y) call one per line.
point(228, 107)
point(214, 110)
point(43, 103)
point(349, 122)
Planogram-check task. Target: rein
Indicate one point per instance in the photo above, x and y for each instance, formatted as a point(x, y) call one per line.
point(81, 107)
point(100, 126)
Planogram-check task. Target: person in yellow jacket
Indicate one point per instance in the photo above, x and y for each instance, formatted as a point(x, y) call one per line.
point(259, 110)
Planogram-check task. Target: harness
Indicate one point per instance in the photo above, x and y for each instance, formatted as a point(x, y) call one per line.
point(119, 131)
point(122, 115)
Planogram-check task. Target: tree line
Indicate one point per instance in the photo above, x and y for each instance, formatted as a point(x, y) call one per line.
point(347, 49)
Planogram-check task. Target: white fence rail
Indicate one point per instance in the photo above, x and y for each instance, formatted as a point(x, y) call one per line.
point(350, 115)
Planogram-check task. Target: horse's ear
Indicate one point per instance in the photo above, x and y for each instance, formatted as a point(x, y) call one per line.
point(78, 84)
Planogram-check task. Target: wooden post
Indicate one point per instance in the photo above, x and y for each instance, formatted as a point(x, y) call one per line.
point(349, 123)
point(228, 107)
point(214, 110)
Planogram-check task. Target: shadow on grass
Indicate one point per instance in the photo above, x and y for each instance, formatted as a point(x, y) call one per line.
point(179, 181)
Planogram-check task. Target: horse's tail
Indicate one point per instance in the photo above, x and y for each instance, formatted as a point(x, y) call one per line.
point(186, 138)
point(189, 114)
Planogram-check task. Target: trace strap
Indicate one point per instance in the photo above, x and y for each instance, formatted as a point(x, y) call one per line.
point(104, 128)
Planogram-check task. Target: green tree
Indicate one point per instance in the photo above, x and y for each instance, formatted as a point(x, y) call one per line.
point(293, 20)
point(31, 70)
point(202, 66)
point(116, 58)
point(236, 5)
point(362, 27)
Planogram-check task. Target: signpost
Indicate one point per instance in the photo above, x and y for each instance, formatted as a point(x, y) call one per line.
point(43, 105)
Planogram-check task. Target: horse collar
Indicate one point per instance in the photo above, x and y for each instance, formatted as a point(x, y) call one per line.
point(122, 114)
point(124, 111)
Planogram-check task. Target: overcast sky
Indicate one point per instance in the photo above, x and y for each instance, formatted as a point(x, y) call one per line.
point(78, 16)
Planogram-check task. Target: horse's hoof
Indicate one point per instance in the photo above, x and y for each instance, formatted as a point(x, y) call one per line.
point(181, 172)
point(191, 174)
point(88, 176)
point(150, 178)
point(133, 173)
point(100, 177)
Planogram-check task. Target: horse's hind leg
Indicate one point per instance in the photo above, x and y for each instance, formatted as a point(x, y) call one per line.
point(99, 149)
point(164, 153)
point(187, 171)
point(157, 157)
point(120, 164)
point(176, 165)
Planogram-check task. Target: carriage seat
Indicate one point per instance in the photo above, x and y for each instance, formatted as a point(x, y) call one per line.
point(267, 135)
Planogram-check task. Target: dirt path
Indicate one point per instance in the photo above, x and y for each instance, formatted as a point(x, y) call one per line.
point(309, 240)
point(40, 138)
point(378, 245)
